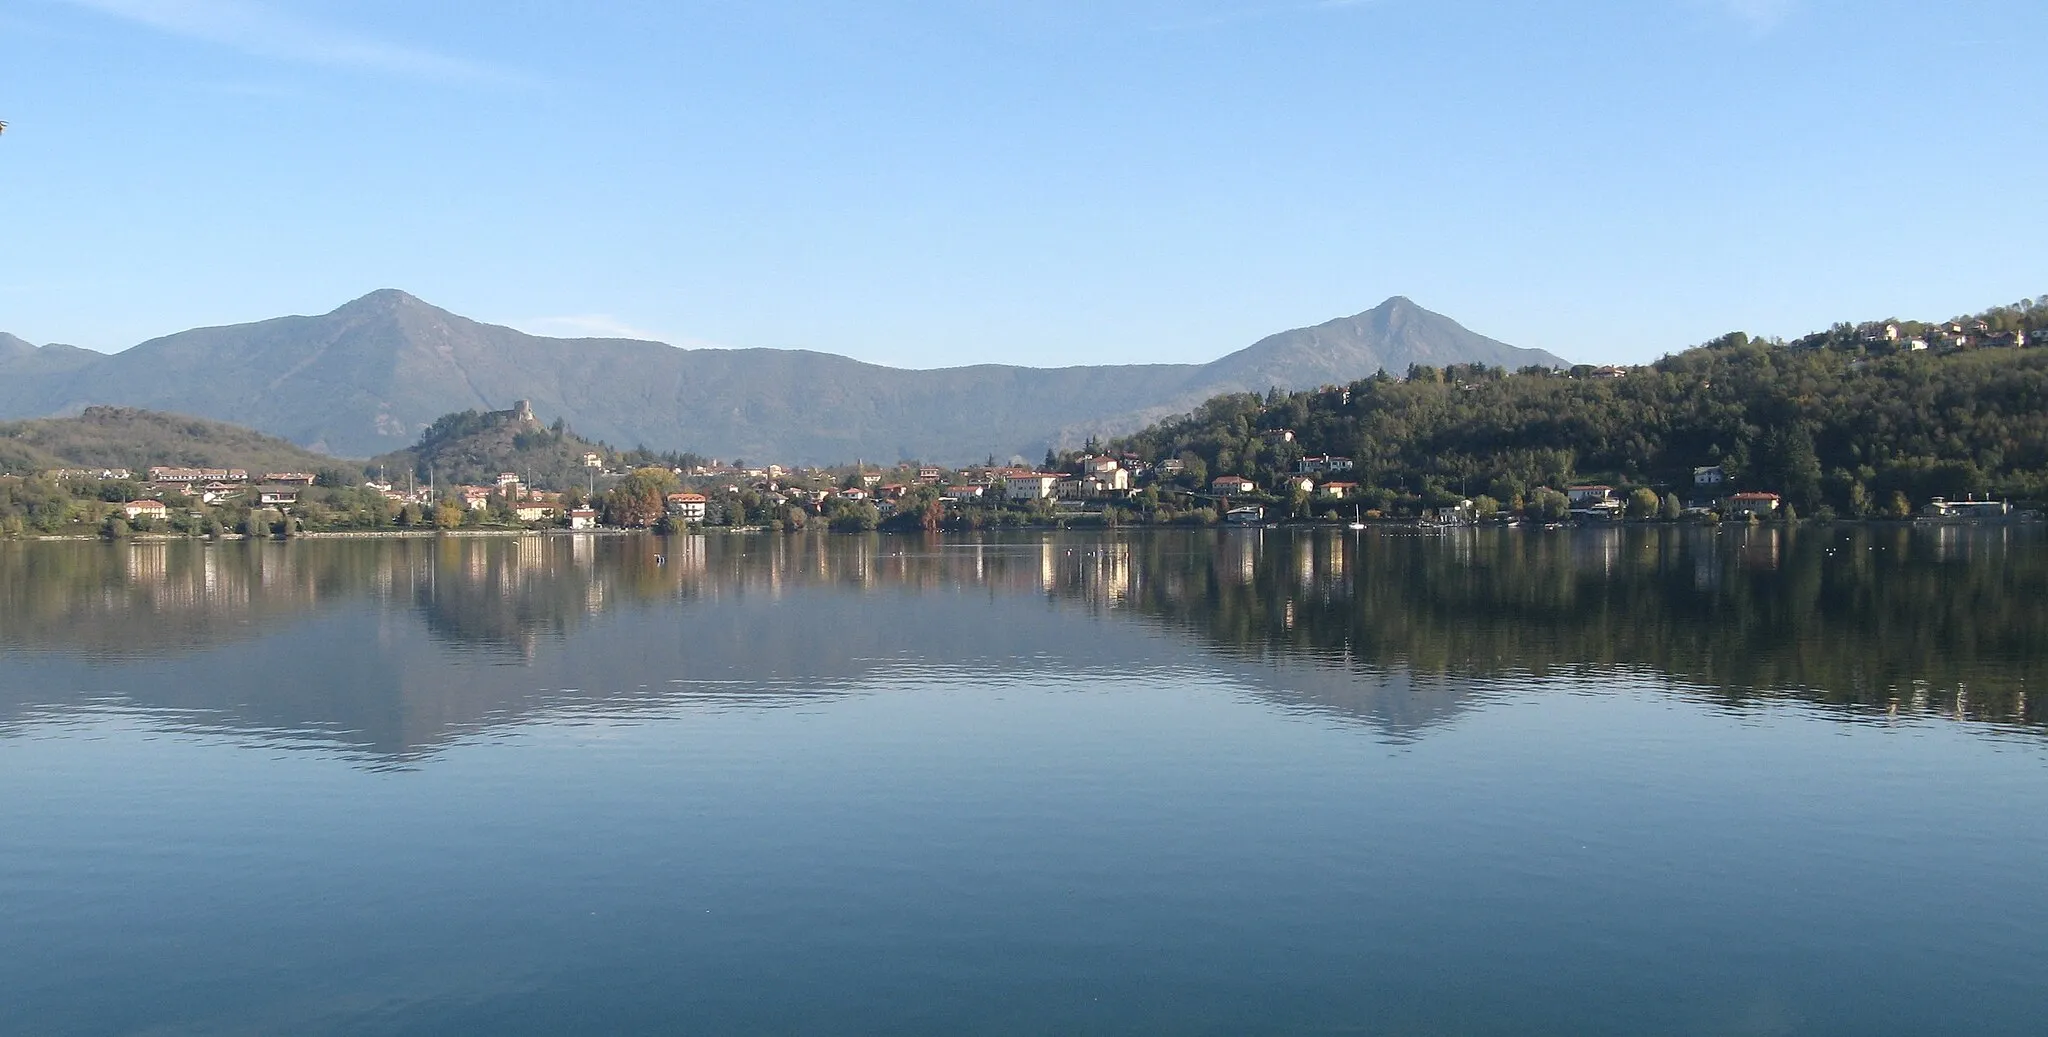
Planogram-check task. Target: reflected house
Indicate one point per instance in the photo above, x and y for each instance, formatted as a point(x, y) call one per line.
point(1597, 551)
point(1237, 559)
point(1761, 549)
point(688, 554)
point(148, 563)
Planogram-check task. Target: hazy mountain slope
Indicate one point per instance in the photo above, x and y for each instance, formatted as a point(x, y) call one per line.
point(366, 378)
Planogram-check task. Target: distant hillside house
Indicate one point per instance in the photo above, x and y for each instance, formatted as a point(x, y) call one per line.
point(167, 474)
point(1233, 484)
point(1278, 435)
point(583, 518)
point(1325, 465)
point(1338, 490)
point(1172, 466)
point(534, 512)
point(103, 474)
point(279, 495)
point(145, 509)
point(290, 478)
point(687, 506)
point(1709, 475)
point(967, 492)
point(1108, 472)
point(1589, 495)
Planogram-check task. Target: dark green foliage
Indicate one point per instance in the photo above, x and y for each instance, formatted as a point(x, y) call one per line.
point(1823, 426)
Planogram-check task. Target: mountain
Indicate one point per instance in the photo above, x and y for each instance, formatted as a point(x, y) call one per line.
point(368, 377)
point(121, 437)
point(1388, 337)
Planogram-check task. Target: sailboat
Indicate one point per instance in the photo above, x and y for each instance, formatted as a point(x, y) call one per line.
point(1356, 522)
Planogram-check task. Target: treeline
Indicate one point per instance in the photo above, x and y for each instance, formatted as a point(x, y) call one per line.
point(1837, 425)
point(128, 437)
point(38, 505)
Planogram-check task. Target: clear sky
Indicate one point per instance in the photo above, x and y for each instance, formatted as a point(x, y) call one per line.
point(1029, 181)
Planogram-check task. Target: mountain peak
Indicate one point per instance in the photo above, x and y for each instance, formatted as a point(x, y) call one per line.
point(383, 300)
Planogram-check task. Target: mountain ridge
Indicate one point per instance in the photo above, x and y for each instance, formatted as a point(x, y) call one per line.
point(365, 378)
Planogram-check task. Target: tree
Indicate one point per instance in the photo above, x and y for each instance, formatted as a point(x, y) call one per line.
point(1550, 505)
point(450, 513)
point(1672, 509)
point(1642, 503)
point(640, 499)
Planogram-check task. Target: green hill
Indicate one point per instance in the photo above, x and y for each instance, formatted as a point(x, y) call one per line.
point(475, 446)
point(124, 437)
point(1844, 419)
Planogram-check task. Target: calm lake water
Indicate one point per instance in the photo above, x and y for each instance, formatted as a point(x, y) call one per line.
point(1229, 782)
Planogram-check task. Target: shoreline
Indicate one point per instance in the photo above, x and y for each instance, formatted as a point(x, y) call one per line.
point(1382, 524)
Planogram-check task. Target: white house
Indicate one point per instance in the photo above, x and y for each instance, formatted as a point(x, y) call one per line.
point(687, 506)
point(1032, 486)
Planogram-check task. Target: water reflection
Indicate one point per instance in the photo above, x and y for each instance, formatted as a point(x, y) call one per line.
point(396, 646)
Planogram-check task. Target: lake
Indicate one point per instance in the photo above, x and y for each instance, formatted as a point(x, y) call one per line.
point(1620, 781)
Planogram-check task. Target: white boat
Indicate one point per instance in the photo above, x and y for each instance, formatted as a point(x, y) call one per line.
point(1356, 522)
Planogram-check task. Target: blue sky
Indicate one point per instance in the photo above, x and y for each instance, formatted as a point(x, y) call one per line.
point(1029, 181)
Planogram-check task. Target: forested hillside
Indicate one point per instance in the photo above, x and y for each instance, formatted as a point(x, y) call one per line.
point(125, 437)
point(1843, 419)
point(475, 446)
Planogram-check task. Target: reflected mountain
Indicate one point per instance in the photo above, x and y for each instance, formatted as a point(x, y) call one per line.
point(393, 648)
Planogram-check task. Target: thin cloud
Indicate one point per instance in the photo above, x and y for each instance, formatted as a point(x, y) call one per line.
point(266, 30)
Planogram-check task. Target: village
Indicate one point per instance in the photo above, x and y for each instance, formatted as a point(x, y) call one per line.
point(1102, 488)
